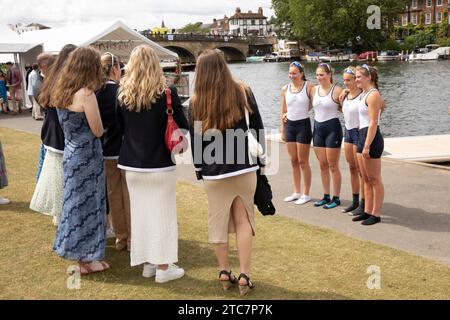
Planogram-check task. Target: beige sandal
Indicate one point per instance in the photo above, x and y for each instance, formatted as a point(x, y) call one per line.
point(92, 267)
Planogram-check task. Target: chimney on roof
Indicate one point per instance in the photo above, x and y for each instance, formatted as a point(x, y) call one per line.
point(249, 11)
point(260, 10)
point(238, 10)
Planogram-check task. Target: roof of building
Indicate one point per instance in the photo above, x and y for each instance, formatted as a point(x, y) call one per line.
point(249, 15)
point(40, 26)
point(116, 38)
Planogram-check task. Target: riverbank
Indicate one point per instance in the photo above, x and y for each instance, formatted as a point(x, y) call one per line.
point(293, 259)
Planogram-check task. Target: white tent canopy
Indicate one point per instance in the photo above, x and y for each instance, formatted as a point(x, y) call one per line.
point(116, 38)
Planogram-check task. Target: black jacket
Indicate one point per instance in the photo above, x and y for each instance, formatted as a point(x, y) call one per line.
point(112, 139)
point(221, 164)
point(143, 146)
point(52, 134)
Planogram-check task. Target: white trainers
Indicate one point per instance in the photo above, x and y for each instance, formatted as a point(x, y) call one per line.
point(4, 201)
point(294, 197)
point(110, 233)
point(172, 273)
point(304, 199)
point(149, 270)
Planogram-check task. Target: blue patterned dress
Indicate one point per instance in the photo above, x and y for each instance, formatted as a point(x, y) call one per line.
point(81, 233)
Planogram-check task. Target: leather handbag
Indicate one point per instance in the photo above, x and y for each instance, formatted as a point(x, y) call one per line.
point(175, 140)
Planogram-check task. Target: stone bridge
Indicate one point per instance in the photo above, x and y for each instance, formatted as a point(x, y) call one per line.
point(189, 47)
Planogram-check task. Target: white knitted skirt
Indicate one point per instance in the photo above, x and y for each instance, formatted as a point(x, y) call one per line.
point(48, 194)
point(154, 228)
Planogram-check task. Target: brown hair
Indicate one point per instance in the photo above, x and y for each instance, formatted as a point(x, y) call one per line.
point(369, 71)
point(52, 75)
point(43, 58)
point(326, 67)
point(82, 70)
point(108, 62)
point(218, 100)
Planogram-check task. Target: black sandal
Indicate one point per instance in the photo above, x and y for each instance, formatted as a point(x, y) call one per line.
point(245, 289)
point(227, 284)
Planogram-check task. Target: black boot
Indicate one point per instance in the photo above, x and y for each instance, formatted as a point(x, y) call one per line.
point(362, 217)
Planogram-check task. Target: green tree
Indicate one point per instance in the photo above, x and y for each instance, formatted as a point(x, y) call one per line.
point(338, 23)
point(194, 28)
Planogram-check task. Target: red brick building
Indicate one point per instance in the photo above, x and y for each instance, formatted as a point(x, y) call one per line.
point(425, 12)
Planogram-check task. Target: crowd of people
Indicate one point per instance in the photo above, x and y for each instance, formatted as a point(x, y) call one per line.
point(104, 159)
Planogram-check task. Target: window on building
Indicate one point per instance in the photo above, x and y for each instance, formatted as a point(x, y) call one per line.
point(439, 2)
point(428, 18)
point(261, 22)
point(253, 23)
point(414, 4)
point(429, 3)
point(438, 17)
point(405, 20)
point(414, 18)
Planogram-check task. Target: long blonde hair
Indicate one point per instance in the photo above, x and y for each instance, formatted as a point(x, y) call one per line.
point(143, 82)
point(218, 100)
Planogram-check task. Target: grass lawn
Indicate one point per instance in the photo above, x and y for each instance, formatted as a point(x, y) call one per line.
point(291, 260)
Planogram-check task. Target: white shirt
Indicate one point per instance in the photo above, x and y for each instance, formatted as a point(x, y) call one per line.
point(325, 108)
point(297, 104)
point(350, 108)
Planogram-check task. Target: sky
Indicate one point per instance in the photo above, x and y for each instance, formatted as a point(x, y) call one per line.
point(138, 14)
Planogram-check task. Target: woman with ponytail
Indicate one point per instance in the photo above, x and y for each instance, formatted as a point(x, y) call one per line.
point(371, 143)
point(296, 130)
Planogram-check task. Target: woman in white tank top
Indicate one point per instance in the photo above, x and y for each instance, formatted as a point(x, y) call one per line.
point(296, 130)
point(327, 135)
point(350, 100)
point(371, 144)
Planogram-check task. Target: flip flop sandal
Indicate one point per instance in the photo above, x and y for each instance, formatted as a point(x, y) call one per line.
point(88, 268)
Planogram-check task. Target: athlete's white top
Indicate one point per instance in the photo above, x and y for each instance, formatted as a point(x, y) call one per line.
point(364, 120)
point(350, 108)
point(325, 108)
point(297, 104)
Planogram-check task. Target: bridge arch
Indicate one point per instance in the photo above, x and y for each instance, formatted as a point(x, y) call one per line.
point(185, 55)
point(232, 54)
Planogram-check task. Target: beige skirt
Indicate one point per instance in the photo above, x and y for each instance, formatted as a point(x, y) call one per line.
point(221, 194)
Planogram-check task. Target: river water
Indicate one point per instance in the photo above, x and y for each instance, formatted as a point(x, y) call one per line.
point(417, 93)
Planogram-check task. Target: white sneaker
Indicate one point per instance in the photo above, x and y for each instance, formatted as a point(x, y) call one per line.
point(294, 197)
point(110, 233)
point(172, 273)
point(304, 199)
point(4, 201)
point(149, 270)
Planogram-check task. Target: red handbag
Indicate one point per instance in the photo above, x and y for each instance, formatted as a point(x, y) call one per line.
point(175, 140)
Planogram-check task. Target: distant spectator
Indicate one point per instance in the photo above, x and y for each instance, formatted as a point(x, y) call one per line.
point(14, 83)
point(3, 94)
point(34, 86)
point(3, 176)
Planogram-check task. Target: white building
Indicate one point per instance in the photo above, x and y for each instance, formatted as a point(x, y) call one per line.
point(250, 23)
point(20, 28)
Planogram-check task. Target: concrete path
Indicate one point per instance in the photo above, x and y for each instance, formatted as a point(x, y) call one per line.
point(416, 213)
